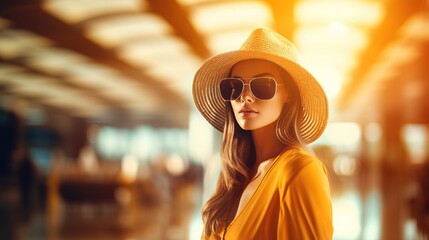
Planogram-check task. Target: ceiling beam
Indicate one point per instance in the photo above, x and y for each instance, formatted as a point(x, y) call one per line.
point(62, 80)
point(284, 18)
point(178, 18)
point(33, 18)
point(397, 12)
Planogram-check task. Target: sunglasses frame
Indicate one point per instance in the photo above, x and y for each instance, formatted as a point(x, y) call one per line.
point(250, 88)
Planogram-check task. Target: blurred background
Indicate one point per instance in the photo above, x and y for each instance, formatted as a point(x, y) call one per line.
point(99, 137)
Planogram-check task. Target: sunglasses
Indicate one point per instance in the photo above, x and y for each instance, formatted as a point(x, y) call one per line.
point(262, 88)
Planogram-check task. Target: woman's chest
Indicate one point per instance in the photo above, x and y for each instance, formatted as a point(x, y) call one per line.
point(259, 217)
point(254, 185)
point(247, 194)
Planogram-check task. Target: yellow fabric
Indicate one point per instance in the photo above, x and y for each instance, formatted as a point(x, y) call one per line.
point(291, 202)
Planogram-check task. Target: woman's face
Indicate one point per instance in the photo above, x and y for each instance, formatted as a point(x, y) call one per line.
point(250, 112)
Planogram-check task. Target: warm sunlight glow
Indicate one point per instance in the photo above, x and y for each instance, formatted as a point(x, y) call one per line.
point(78, 10)
point(417, 26)
point(223, 16)
point(225, 30)
point(222, 42)
point(335, 35)
point(144, 52)
point(200, 132)
point(359, 13)
point(175, 165)
point(329, 77)
point(56, 60)
point(16, 43)
point(340, 60)
point(373, 132)
point(52, 94)
point(331, 52)
point(416, 138)
point(115, 31)
point(400, 52)
point(332, 34)
point(346, 216)
point(345, 165)
point(337, 28)
point(343, 134)
point(180, 65)
point(129, 168)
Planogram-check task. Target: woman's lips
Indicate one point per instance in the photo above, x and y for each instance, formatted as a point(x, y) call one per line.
point(246, 112)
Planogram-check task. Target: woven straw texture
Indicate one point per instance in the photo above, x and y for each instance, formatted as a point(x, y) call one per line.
point(269, 45)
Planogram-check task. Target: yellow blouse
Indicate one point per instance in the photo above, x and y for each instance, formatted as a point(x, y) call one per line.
point(291, 202)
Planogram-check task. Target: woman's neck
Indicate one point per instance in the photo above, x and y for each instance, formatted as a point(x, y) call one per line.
point(267, 145)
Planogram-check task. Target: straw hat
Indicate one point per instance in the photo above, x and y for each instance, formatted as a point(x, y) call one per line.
point(268, 45)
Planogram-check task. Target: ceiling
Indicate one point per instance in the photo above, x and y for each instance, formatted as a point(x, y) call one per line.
point(132, 62)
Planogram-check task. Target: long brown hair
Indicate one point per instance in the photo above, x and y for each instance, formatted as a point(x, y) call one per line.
point(238, 159)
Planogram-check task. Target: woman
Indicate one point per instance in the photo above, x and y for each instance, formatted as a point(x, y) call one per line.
point(268, 108)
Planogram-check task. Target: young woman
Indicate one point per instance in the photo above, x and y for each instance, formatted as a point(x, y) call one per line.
point(268, 108)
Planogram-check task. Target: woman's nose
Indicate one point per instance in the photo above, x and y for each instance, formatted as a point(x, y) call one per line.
point(247, 95)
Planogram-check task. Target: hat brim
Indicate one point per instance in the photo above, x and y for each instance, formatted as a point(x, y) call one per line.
point(207, 98)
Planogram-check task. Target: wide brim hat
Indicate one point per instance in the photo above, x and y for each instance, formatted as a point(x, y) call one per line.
point(264, 44)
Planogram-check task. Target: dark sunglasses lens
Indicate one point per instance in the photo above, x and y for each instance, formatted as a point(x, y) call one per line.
point(230, 88)
point(263, 88)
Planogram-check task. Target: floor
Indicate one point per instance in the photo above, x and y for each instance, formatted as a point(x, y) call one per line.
point(355, 217)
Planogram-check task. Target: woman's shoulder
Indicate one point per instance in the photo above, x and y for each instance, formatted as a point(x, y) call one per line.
point(293, 161)
point(295, 156)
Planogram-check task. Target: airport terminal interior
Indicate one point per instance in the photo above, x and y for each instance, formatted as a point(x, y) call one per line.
point(100, 137)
